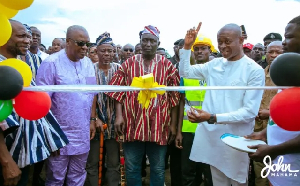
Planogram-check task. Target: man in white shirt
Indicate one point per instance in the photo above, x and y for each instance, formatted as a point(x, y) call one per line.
point(224, 111)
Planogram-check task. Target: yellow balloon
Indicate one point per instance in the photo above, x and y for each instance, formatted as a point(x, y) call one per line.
point(5, 29)
point(16, 4)
point(9, 13)
point(21, 67)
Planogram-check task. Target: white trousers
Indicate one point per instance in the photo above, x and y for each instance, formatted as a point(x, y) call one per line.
point(220, 179)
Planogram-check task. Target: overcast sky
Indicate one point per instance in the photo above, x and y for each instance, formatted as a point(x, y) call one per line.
point(125, 18)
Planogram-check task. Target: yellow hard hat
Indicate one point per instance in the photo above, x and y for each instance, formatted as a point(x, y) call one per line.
point(202, 40)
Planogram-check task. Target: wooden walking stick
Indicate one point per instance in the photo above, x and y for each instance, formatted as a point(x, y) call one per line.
point(122, 161)
point(101, 155)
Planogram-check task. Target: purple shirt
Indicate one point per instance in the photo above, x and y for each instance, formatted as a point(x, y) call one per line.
point(72, 110)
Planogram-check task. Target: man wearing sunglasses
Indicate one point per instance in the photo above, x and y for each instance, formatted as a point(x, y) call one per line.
point(127, 52)
point(72, 110)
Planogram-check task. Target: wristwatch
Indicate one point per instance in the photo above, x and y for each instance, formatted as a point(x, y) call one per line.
point(211, 119)
point(93, 119)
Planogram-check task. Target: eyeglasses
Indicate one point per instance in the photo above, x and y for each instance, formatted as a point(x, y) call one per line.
point(127, 49)
point(81, 43)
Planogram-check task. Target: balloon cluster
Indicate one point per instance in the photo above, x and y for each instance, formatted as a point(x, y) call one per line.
point(16, 74)
point(285, 106)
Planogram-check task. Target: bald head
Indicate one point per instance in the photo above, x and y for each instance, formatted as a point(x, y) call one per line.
point(16, 25)
point(77, 42)
point(18, 42)
point(127, 51)
point(274, 49)
point(275, 43)
point(128, 46)
point(230, 42)
point(75, 28)
point(236, 29)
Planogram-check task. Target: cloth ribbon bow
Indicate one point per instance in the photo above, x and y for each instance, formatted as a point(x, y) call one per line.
point(146, 82)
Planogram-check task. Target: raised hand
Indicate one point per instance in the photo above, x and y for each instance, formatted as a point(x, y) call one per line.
point(191, 36)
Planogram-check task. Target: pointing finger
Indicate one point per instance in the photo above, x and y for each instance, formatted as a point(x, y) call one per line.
point(199, 26)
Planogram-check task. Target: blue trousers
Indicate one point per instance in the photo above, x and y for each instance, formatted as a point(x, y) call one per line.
point(133, 154)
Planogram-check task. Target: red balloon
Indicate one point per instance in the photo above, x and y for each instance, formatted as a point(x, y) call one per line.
point(32, 105)
point(285, 109)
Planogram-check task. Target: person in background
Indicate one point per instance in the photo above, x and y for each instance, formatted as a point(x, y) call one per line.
point(247, 49)
point(116, 56)
point(138, 49)
point(257, 52)
point(153, 122)
point(73, 110)
point(42, 48)
point(63, 46)
point(57, 45)
point(192, 58)
point(119, 51)
point(270, 38)
point(127, 52)
point(49, 51)
point(223, 111)
point(105, 114)
point(92, 53)
point(161, 51)
point(36, 41)
point(193, 172)
point(33, 60)
point(175, 58)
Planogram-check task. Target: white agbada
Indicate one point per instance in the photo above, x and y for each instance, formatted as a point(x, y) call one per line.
point(235, 110)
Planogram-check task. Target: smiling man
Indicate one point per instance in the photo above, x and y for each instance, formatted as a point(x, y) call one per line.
point(146, 129)
point(224, 111)
point(73, 110)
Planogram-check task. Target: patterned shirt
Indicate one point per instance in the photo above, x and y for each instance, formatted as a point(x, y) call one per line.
point(4, 126)
point(149, 124)
point(106, 105)
point(34, 61)
point(34, 140)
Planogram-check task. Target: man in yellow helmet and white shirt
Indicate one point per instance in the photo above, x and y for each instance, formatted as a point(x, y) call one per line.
point(224, 111)
point(192, 171)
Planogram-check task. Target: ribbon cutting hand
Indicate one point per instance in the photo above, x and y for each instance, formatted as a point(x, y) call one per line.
point(197, 116)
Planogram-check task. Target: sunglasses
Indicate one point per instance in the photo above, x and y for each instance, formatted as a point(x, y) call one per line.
point(81, 43)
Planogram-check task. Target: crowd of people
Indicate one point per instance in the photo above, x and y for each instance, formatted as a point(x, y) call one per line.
point(179, 131)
